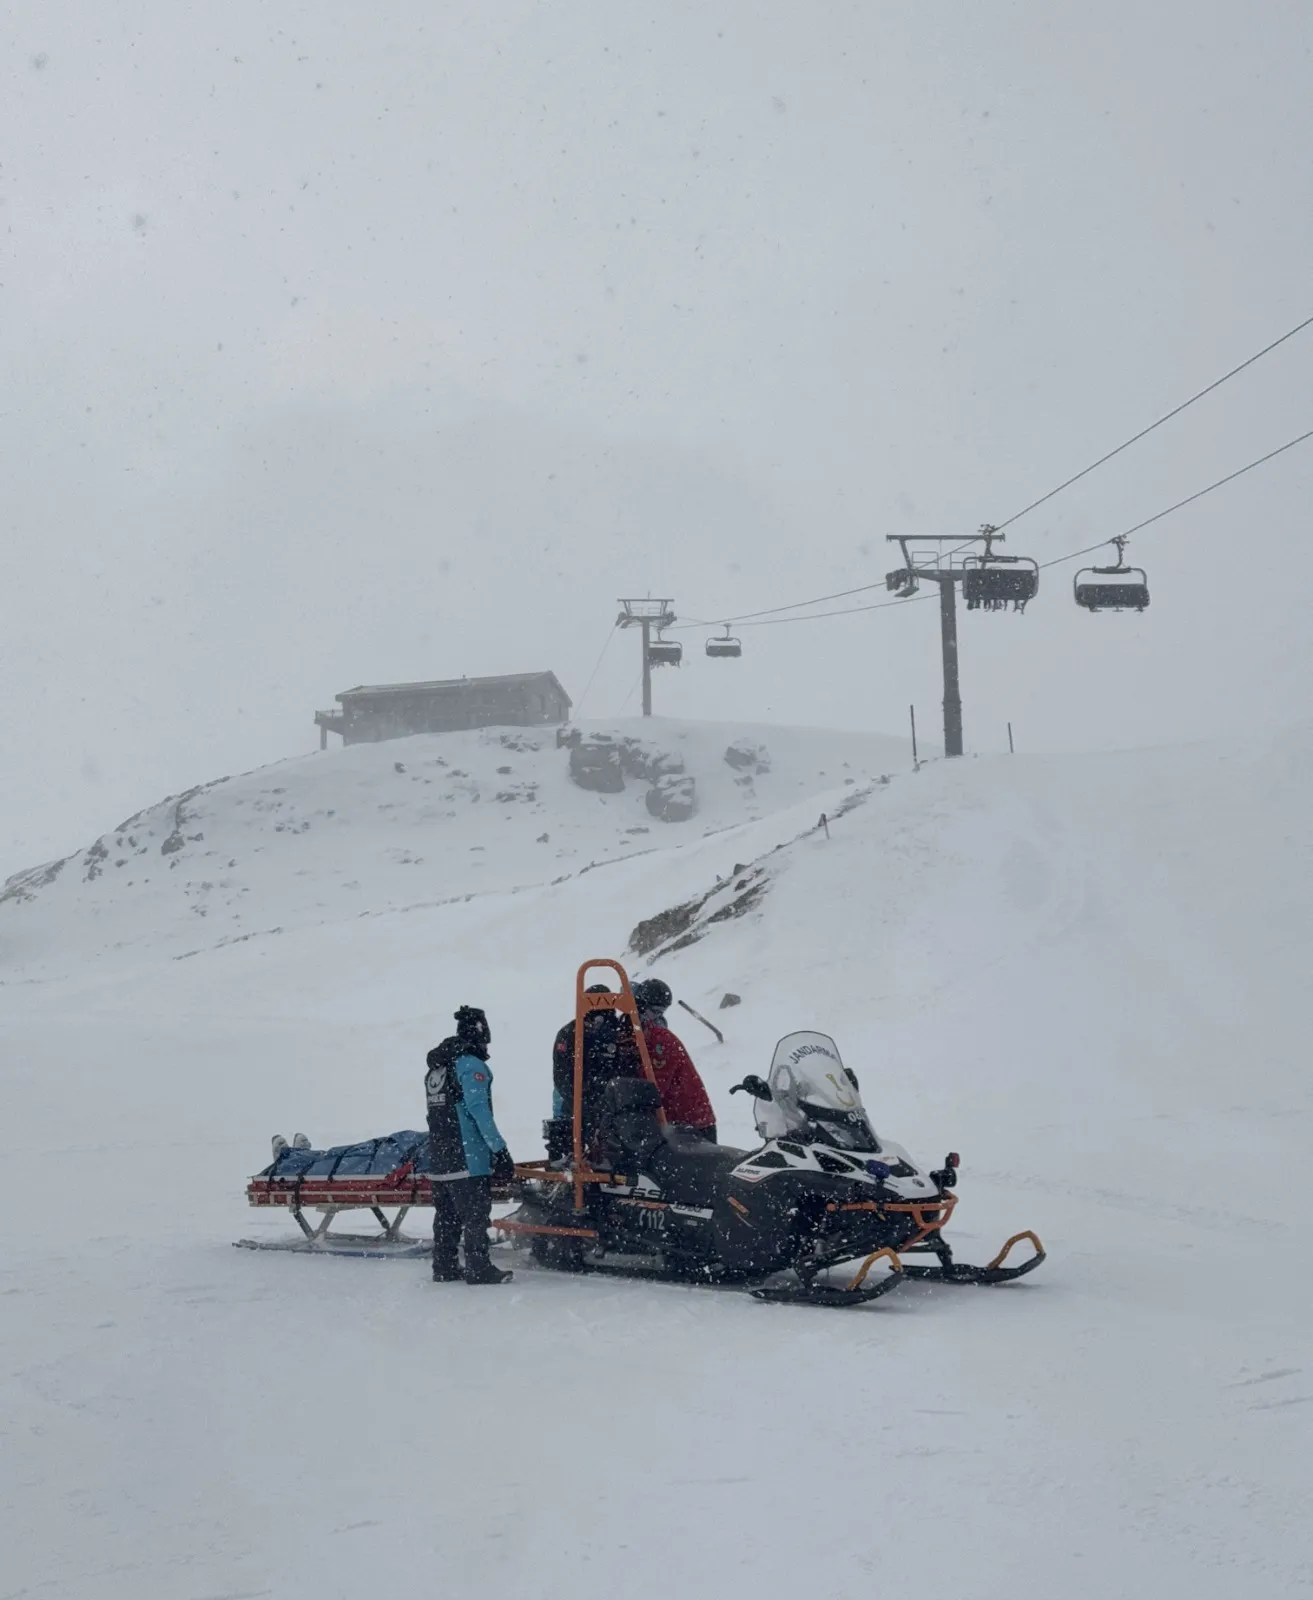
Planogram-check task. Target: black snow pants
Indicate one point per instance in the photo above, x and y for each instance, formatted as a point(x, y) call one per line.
point(461, 1205)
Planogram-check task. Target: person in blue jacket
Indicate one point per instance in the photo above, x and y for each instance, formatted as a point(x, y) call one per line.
point(466, 1150)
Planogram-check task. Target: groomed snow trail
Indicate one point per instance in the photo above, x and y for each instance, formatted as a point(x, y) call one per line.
point(1083, 973)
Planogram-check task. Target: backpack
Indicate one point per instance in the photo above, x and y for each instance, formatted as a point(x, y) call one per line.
point(441, 1082)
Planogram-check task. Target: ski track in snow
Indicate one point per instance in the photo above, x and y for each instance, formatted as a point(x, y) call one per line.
point(1083, 972)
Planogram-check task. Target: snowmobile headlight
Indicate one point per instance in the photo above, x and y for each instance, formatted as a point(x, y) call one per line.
point(878, 1169)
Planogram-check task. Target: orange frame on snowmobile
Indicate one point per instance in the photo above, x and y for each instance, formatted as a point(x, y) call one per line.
point(942, 1210)
point(941, 1207)
point(584, 1004)
point(930, 1216)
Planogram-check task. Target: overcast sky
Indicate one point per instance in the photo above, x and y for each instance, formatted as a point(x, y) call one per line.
point(350, 343)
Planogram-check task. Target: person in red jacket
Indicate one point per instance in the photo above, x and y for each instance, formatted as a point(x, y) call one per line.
point(683, 1093)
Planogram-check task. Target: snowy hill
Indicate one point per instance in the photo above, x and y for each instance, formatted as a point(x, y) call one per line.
point(385, 827)
point(1084, 972)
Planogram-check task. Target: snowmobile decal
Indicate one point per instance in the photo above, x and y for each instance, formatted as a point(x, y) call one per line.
point(811, 1050)
point(846, 1097)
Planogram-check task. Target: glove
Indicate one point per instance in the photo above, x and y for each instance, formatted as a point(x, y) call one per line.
point(503, 1168)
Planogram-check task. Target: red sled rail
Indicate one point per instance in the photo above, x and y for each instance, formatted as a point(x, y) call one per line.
point(403, 1187)
point(394, 1192)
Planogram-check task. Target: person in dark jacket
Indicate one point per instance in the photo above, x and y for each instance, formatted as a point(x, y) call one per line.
point(466, 1150)
point(683, 1094)
point(606, 1035)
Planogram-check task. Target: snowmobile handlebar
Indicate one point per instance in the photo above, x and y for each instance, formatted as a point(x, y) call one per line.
point(757, 1087)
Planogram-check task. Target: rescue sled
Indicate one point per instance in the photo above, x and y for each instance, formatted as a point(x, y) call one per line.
point(381, 1176)
point(628, 1194)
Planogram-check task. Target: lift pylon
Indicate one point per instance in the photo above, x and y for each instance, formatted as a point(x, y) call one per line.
point(989, 581)
point(647, 614)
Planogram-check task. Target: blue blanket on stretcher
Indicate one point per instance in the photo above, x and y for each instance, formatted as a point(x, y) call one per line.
point(369, 1159)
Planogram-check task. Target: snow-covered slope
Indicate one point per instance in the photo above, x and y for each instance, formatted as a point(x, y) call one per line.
point(1084, 973)
point(382, 827)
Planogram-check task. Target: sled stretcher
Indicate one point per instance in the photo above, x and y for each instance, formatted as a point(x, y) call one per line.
point(380, 1176)
point(389, 1201)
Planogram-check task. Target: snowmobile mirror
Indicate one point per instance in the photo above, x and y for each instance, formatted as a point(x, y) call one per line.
point(755, 1086)
point(946, 1177)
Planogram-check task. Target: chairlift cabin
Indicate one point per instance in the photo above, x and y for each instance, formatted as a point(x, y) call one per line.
point(724, 648)
point(1119, 588)
point(665, 653)
point(994, 582)
point(1128, 591)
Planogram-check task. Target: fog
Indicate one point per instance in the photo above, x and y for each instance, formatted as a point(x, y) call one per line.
point(351, 344)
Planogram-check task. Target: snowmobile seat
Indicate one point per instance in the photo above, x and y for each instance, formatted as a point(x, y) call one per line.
point(690, 1170)
point(631, 1127)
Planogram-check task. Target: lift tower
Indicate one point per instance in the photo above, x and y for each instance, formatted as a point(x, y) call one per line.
point(648, 614)
point(990, 581)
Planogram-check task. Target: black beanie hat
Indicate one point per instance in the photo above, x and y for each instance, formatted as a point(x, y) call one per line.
point(472, 1025)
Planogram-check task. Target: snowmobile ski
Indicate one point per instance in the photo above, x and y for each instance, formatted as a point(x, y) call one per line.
point(808, 1292)
point(951, 1271)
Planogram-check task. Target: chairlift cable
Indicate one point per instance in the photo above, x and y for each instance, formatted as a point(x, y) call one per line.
point(843, 594)
point(844, 611)
point(770, 611)
point(1071, 555)
point(1144, 432)
point(611, 633)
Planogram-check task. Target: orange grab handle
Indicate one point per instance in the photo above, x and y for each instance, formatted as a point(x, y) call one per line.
point(1016, 1238)
point(887, 1253)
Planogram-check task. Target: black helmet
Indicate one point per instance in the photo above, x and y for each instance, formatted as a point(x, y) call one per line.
point(653, 994)
point(472, 1026)
point(603, 1019)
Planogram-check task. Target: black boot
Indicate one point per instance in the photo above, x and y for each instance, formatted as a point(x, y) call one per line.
point(446, 1271)
point(484, 1272)
point(472, 1198)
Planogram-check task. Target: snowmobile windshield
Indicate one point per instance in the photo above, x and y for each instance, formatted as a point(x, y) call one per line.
point(814, 1094)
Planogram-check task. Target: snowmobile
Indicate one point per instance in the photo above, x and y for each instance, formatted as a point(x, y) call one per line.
point(622, 1191)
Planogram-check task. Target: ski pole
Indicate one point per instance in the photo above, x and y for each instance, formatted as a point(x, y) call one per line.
point(703, 1020)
